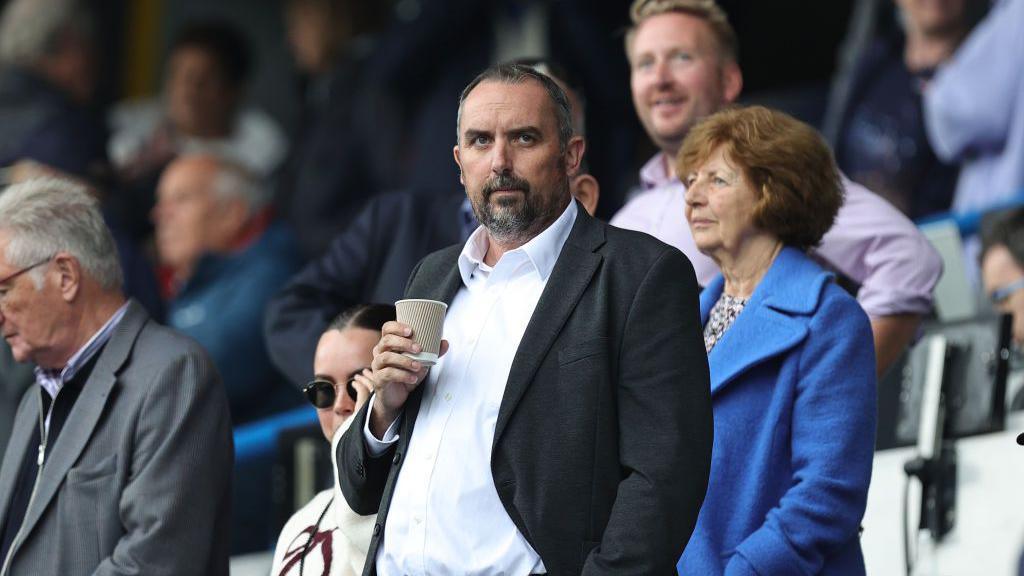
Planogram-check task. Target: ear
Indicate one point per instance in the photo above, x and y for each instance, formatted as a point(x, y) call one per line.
point(458, 162)
point(586, 189)
point(69, 275)
point(574, 155)
point(732, 82)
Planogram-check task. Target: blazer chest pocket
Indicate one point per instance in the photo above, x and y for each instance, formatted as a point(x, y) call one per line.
point(576, 352)
point(90, 472)
point(87, 506)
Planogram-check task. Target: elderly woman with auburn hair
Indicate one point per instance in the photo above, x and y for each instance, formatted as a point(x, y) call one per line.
point(791, 354)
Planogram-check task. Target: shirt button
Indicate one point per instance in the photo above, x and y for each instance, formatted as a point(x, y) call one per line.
point(417, 519)
point(448, 396)
point(397, 458)
point(376, 529)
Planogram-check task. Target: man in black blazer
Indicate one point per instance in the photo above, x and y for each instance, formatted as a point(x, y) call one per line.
point(570, 421)
point(371, 260)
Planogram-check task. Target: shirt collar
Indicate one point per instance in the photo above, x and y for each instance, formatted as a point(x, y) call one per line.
point(655, 172)
point(542, 250)
point(53, 380)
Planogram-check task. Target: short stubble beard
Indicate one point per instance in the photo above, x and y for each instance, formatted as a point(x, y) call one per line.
point(514, 222)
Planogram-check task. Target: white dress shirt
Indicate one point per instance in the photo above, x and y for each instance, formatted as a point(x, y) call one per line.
point(445, 515)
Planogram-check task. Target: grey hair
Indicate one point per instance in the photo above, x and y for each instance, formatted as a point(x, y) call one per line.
point(509, 73)
point(44, 216)
point(233, 180)
point(31, 29)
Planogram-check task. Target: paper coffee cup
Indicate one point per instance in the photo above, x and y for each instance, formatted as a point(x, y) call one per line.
point(426, 318)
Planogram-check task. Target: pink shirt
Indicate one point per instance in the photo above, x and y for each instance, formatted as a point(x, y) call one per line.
point(871, 242)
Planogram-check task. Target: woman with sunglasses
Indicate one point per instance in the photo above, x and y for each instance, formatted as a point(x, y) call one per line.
point(325, 537)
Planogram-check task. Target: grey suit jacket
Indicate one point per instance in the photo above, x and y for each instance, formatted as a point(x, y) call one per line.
point(602, 445)
point(139, 480)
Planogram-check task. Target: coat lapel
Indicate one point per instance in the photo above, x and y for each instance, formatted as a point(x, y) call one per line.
point(27, 418)
point(773, 321)
point(86, 412)
point(571, 275)
point(757, 334)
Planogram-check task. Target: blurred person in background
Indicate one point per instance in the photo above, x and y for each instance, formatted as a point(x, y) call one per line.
point(974, 110)
point(1002, 265)
point(223, 257)
point(683, 59)
point(1002, 275)
point(350, 131)
point(47, 80)
point(201, 110)
point(325, 536)
point(790, 354)
point(881, 141)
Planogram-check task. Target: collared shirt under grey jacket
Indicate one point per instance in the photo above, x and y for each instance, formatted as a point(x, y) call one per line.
point(602, 445)
point(139, 480)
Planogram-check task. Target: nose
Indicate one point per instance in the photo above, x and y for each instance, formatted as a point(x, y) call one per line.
point(662, 73)
point(695, 195)
point(501, 160)
point(344, 405)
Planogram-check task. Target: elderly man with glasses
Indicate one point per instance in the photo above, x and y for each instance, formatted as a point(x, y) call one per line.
point(120, 459)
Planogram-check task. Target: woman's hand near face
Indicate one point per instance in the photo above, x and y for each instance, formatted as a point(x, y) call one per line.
point(363, 383)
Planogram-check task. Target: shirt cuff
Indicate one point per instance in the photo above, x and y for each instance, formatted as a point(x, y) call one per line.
point(374, 446)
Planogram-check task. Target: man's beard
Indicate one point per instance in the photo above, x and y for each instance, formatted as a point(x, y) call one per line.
point(511, 220)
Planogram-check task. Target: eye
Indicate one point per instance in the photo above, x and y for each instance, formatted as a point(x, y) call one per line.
point(720, 182)
point(643, 63)
point(682, 57)
point(481, 141)
point(690, 180)
point(526, 138)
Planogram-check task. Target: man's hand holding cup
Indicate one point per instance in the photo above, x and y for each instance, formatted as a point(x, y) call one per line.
point(406, 350)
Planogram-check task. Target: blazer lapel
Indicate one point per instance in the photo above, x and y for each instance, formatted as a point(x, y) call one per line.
point(27, 418)
point(439, 283)
point(569, 278)
point(86, 412)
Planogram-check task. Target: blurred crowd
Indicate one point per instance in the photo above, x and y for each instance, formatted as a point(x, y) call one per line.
point(251, 236)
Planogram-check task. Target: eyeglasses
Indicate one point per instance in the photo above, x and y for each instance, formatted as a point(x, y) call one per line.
point(322, 393)
point(1000, 295)
point(9, 277)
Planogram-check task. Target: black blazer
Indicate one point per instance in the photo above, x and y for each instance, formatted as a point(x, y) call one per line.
point(369, 262)
point(602, 446)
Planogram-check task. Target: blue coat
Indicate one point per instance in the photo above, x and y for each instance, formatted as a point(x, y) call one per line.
point(793, 391)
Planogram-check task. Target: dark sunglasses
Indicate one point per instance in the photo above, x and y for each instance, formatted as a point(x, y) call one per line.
point(322, 393)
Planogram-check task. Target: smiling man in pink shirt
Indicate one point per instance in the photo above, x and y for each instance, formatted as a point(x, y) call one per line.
point(683, 61)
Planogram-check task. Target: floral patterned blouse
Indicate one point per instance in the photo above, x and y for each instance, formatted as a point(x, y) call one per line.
point(723, 314)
